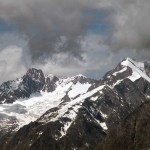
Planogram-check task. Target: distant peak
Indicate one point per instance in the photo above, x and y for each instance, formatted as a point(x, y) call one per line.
point(51, 76)
point(133, 61)
point(80, 75)
point(128, 59)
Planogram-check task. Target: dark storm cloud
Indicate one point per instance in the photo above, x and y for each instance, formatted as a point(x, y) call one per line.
point(57, 26)
point(130, 25)
point(52, 26)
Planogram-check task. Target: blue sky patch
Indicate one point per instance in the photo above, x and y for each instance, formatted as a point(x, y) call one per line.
point(5, 27)
point(98, 24)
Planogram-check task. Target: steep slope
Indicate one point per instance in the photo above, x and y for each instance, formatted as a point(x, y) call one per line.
point(132, 134)
point(77, 112)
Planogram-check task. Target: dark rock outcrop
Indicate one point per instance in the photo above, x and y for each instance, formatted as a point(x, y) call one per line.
point(132, 134)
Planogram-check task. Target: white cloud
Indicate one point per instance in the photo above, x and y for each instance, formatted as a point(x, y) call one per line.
point(11, 65)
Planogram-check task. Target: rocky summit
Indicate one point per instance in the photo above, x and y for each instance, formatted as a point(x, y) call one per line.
point(44, 112)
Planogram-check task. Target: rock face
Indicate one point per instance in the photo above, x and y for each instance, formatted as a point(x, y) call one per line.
point(132, 134)
point(32, 82)
point(72, 113)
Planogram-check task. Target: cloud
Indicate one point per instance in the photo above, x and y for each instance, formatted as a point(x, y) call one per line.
point(130, 25)
point(15, 61)
point(46, 22)
point(53, 35)
point(98, 60)
point(11, 63)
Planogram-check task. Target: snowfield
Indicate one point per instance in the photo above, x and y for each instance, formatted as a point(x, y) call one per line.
point(27, 110)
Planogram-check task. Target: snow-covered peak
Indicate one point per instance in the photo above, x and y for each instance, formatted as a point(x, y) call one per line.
point(128, 61)
point(138, 69)
point(50, 76)
point(80, 75)
point(78, 78)
point(130, 69)
point(74, 77)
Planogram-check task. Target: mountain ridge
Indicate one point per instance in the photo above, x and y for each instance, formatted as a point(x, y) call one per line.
point(76, 107)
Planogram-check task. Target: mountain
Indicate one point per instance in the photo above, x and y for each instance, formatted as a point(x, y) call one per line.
point(46, 112)
point(26, 99)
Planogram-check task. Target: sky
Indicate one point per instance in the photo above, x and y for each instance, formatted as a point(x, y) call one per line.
point(70, 37)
